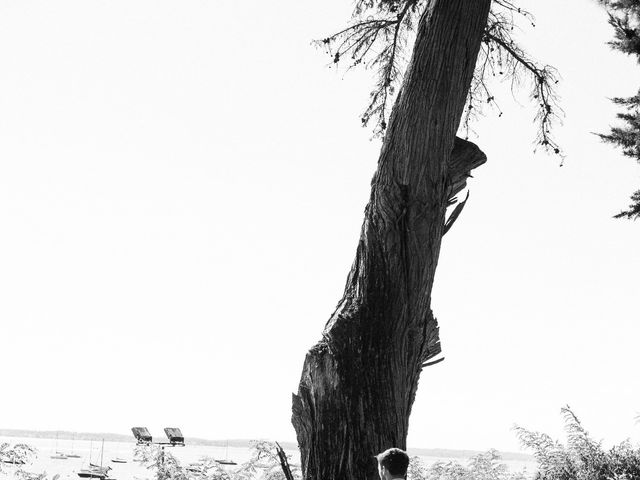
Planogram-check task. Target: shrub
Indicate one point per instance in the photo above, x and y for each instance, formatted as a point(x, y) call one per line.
point(582, 458)
point(264, 464)
point(484, 466)
point(17, 456)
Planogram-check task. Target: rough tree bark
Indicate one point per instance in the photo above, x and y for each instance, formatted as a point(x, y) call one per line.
point(359, 382)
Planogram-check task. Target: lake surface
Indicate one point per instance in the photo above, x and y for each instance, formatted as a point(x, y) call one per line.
point(91, 451)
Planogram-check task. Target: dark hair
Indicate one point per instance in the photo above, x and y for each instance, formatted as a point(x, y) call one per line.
point(394, 460)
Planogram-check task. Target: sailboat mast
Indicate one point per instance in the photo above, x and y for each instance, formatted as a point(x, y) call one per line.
point(101, 453)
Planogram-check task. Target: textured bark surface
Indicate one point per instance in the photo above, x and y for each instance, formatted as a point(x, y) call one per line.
point(359, 382)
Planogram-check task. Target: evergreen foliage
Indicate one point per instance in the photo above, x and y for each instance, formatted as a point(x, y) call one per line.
point(624, 17)
point(382, 32)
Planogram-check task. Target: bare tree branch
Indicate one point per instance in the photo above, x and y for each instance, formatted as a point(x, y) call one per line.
point(382, 28)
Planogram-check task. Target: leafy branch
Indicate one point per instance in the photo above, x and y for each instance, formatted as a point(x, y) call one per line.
point(19, 456)
point(264, 463)
point(377, 38)
point(503, 56)
point(483, 466)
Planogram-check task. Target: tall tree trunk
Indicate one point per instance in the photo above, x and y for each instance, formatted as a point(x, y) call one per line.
point(359, 382)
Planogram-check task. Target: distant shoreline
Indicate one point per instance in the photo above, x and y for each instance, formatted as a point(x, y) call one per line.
point(242, 443)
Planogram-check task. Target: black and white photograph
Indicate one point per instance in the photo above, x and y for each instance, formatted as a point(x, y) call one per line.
point(303, 240)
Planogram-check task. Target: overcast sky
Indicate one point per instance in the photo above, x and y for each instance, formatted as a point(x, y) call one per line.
point(182, 186)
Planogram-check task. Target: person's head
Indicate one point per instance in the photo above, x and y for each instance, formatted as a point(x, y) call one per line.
point(392, 463)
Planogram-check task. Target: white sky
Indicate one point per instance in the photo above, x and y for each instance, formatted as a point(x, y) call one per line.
point(182, 186)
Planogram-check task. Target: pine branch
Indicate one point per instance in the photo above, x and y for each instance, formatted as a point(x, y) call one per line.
point(381, 28)
point(624, 17)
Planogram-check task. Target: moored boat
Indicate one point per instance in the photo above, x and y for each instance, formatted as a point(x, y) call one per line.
point(227, 460)
point(96, 471)
point(91, 473)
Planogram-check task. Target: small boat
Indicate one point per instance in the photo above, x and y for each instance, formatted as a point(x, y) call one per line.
point(73, 454)
point(91, 473)
point(96, 471)
point(227, 460)
point(118, 458)
point(13, 461)
point(98, 468)
point(58, 455)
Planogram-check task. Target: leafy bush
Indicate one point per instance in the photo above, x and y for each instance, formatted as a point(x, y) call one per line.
point(484, 466)
point(582, 458)
point(16, 457)
point(264, 464)
point(19, 454)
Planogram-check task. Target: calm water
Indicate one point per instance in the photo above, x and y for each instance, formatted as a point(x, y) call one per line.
point(68, 469)
point(90, 452)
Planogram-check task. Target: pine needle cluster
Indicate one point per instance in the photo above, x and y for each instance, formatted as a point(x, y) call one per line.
point(624, 17)
point(380, 37)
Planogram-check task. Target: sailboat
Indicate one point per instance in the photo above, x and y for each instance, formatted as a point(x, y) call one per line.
point(227, 460)
point(58, 455)
point(95, 471)
point(73, 454)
